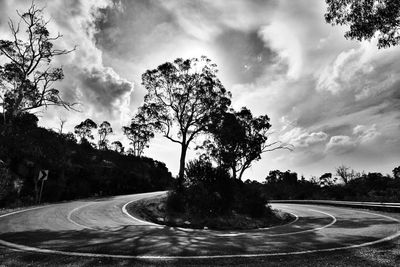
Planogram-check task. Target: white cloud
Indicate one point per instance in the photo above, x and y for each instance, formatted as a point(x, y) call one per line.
point(278, 36)
point(340, 144)
point(366, 134)
point(300, 138)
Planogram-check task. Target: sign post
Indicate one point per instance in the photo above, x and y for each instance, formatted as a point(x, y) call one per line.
point(43, 175)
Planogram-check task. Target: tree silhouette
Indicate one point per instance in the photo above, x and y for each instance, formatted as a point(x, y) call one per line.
point(346, 173)
point(104, 130)
point(181, 98)
point(27, 77)
point(367, 19)
point(239, 139)
point(327, 180)
point(396, 172)
point(84, 130)
point(139, 135)
point(118, 147)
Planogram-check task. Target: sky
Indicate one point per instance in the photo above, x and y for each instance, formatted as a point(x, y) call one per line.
point(335, 100)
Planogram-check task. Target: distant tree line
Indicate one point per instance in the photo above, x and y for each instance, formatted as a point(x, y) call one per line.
point(344, 184)
point(76, 170)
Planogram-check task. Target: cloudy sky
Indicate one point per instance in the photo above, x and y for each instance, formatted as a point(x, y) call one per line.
point(337, 101)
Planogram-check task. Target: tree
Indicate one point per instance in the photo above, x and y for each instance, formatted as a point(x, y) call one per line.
point(118, 147)
point(367, 19)
point(239, 139)
point(104, 130)
point(27, 76)
point(139, 135)
point(62, 124)
point(346, 173)
point(396, 172)
point(84, 130)
point(182, 97)
point(327, 180)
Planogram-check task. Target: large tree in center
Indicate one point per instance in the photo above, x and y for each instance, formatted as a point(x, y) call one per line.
point(182, 98)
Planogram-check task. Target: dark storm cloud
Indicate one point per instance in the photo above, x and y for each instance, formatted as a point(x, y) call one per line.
point(104, 87)
point(124, 28)
point(244, 55)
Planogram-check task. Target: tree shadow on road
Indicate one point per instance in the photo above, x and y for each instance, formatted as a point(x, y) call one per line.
point(142, 240)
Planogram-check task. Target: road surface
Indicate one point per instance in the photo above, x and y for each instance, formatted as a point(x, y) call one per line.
point(102, 228)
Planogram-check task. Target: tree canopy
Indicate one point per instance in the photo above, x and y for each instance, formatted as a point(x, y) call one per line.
point(239, 139)
point(182, 97)
point(367, 19)
point(84, 130)
point(104, 131)
point(139, 135)
point(27, 77)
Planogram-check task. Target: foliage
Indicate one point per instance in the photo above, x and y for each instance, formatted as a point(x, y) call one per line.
point(27, 77)
point(396, 172)
point(6, 180)
point(346, 173)
point(182, 97)
point(363, 187)
point(118, 147)
point(84, 130)
point(326, 179)
point(139, 135)
point(210, 191)
point(239, 139)
point(367, 19)
point(104, 130)
point(75, 170)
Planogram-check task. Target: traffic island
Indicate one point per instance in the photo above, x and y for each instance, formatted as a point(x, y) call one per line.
point(154, 210)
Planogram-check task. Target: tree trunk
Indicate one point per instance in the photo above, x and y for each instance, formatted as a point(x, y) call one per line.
point(234, 176)
point(241, 173)
point(182, 166)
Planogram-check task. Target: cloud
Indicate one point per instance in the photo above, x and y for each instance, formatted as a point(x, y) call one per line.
point(340, 144)
point(278, 36)
point(362, 136)
point(105, 87)
point(366, 134)
point(300, 138)
point(206, 19)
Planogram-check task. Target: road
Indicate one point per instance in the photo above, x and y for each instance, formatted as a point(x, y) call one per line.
point(101, 228)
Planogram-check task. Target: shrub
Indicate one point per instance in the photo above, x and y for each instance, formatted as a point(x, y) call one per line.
point(251, 201)
point(208, 189)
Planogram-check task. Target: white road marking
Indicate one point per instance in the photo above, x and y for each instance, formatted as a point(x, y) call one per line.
point(124, 210)
point(76, 223)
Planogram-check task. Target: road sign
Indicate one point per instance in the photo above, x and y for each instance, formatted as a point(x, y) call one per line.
point(43, 175)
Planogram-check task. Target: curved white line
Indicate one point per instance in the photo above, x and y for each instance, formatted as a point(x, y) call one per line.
point(312, 229)
point(125, 211)
point(100, 255)
point(265, 228)
point(76, 223)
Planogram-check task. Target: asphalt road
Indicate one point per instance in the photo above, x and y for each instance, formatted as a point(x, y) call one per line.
point(101, 228)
